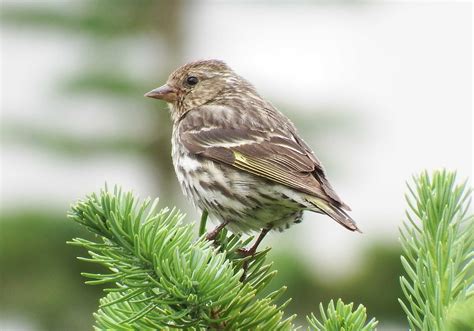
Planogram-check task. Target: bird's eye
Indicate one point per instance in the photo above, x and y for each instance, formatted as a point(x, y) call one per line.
point(191, 80)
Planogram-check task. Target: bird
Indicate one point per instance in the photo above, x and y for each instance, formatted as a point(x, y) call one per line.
point(239, 158)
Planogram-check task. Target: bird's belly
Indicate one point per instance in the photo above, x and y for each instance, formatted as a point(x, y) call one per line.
point(248, 202)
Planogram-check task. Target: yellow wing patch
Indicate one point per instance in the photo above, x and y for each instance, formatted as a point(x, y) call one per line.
point(269, 171)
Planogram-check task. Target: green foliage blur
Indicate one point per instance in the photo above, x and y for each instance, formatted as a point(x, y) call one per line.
point(40, 277)
point(39, 272)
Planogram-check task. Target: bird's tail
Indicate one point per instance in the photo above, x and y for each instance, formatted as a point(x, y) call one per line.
point(336, 213)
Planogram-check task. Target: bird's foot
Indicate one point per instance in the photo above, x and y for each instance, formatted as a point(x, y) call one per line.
point(244, 252)
point(251, 252)
point(212, 235)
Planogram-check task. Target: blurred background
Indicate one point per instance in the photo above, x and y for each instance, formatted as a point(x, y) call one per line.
point(380, 91)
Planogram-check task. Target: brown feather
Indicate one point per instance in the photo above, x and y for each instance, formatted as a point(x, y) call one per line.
point(276, 154)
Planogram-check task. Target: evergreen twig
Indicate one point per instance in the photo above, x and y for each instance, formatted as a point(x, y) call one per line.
point(162, 277)
point(438, 250)
point(341, 317)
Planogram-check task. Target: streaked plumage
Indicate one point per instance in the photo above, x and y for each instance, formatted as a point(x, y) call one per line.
point(238, 157)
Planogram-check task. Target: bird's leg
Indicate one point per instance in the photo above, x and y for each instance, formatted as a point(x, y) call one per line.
point(213, 234)
point(251, 251)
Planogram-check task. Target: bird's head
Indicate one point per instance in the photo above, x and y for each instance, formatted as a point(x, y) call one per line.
point(198, 83)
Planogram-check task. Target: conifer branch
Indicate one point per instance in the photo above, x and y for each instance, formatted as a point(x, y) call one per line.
point(162, 277)
point(438, 250)
point(341, 317)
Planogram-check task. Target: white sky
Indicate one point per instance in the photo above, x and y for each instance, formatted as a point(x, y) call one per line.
point(404, 69)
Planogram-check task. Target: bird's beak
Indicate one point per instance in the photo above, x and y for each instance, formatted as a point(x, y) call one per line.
point(165, 92)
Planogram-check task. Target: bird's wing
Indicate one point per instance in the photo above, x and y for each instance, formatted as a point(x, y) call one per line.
point(277, 155)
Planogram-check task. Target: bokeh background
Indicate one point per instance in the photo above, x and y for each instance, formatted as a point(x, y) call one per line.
point(381, 91)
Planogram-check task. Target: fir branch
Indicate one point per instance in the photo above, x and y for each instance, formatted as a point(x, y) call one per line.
point(341, 317)
point(438, 245)
point(162, 277)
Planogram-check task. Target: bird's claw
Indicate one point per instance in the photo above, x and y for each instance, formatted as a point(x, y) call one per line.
point(246, 252)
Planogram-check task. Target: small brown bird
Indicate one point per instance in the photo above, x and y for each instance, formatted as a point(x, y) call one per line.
point(239, 158)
